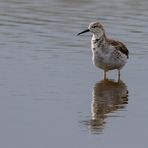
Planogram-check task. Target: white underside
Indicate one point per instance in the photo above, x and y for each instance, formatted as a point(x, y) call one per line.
point(107, 62)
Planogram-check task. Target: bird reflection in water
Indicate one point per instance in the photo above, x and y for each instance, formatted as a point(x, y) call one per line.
point(108, 96)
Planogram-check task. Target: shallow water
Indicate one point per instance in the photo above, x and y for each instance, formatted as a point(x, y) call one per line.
point(51, 95)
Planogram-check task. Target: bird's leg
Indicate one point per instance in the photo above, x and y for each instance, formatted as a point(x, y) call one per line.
point(118, 75)
point(105, 75)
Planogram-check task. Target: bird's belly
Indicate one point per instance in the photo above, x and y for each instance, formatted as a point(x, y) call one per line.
point(107, 62)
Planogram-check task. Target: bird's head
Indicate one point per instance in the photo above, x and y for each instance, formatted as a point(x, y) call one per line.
point(95, 28)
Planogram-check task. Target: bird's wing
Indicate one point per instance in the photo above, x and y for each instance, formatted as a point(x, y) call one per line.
point(119, 46)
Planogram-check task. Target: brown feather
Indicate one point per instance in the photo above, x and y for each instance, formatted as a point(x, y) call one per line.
point(119, 46)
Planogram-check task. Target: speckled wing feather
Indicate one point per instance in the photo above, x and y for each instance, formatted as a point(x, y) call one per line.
point(119, 46)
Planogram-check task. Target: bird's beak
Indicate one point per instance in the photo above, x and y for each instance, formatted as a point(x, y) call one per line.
point(87, 30)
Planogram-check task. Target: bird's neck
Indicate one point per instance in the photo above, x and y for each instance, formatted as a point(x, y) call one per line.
point(99, 36)
point(100, 40)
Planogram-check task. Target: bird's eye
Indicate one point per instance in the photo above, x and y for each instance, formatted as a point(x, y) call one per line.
point(95, 26)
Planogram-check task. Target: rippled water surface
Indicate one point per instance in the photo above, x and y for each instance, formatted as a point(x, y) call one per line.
point(51, 95)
